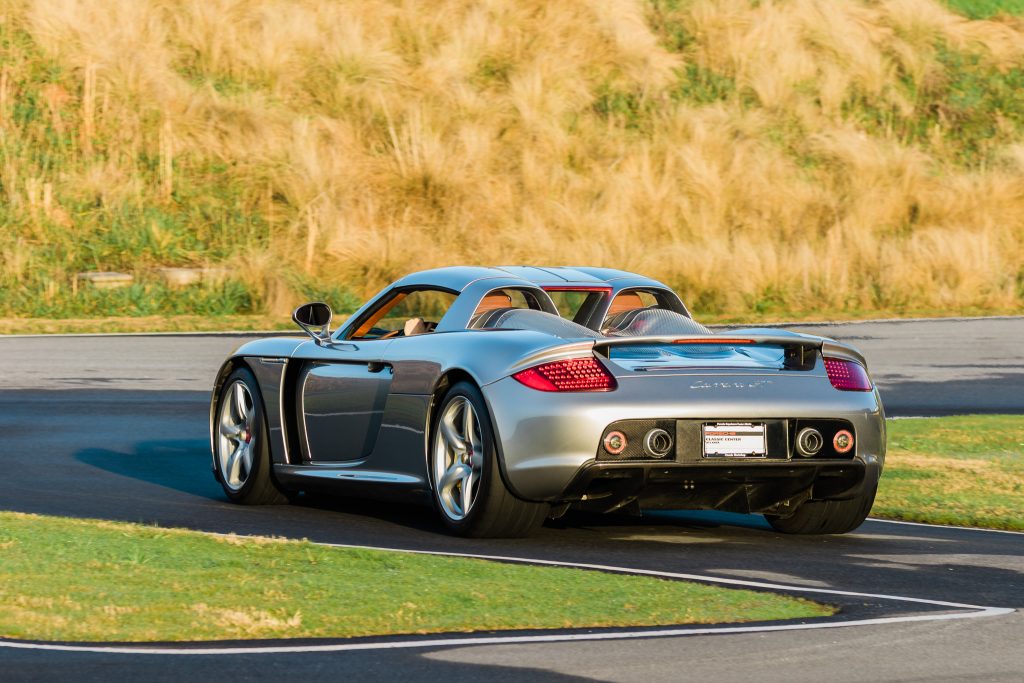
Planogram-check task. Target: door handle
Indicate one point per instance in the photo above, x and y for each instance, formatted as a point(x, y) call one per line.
point(375, 366)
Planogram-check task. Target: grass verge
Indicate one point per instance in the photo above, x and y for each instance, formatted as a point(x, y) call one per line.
point(107, 581)
point(149, 323)
point(964, 470)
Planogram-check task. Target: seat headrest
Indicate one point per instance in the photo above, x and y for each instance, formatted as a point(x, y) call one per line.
point(414, 326)
point(626, 301)
point(492, 301)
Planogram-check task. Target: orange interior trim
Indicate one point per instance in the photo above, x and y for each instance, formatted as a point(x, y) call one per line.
point(627, 301)
point(492, 301)
point(377, 315)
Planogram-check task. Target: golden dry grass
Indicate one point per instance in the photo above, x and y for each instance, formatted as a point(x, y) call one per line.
point(801, 155)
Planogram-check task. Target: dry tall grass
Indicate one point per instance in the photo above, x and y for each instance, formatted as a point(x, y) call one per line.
point(794, 154)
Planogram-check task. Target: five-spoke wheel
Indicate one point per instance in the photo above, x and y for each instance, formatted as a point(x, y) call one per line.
point(468, 487)
point(241, 453)
point(458, 458)
point(235, 435)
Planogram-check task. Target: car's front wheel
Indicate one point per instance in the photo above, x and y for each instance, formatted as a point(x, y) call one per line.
point(468, 488)
point(241, 452)
point(826, 516)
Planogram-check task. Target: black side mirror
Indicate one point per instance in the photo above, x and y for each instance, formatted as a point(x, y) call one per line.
point(315, 319)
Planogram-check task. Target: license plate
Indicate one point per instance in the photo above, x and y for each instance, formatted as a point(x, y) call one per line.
point(734, 440)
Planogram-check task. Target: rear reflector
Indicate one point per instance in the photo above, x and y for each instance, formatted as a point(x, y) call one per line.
point(716, 340)
point(847, 375)
point(574, 374)
point(842, 441)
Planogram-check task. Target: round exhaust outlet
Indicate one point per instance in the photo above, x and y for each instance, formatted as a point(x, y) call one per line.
point(658, 443)
point(809, 441)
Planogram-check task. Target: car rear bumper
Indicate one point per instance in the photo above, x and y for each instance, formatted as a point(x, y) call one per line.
point(547, 441)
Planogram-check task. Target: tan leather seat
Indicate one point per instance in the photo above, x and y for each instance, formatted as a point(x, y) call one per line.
point(414, 326)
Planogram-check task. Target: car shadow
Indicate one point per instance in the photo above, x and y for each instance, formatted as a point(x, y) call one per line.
point(179, 464)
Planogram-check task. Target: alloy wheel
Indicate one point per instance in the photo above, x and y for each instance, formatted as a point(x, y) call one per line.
point(236, 438)
point(458, 458)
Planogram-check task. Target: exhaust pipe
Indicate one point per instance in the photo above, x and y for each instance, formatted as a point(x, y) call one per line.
point(809, 441)
point(658, 443)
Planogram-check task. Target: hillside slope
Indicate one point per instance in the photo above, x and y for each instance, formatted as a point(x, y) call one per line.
point(796, 156)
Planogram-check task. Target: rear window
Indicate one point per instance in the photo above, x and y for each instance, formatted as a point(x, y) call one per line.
point(576, 305)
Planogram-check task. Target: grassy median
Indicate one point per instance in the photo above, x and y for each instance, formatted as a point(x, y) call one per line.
point(965, 470)
point(69, 579)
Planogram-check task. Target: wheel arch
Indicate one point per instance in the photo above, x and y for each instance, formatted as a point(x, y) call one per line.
point(229, 366)
point(448, 379)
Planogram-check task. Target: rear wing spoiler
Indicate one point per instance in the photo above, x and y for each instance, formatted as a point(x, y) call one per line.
point(800, 351)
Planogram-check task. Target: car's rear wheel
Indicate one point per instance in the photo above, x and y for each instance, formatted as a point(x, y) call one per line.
point(469, 491)
point(241, 451)
point(826, 516)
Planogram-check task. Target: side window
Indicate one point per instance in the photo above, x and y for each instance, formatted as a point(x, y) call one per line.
point(508, 298)
point(405, 314)
point(501, 300)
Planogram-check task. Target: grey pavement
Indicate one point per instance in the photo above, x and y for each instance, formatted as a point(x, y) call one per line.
point(115, 427)
point(925, 367)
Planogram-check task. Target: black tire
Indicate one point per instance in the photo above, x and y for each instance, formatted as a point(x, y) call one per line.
point(496, 512)
point(826, 516)
point(258, 487)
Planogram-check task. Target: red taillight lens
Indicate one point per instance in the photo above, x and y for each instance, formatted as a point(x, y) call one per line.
point(574, 374)
point(847, 375)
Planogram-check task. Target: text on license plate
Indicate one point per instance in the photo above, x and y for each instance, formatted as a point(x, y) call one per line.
point(734, 440)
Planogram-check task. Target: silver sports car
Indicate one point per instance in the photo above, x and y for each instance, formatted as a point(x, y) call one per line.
point(505, 396)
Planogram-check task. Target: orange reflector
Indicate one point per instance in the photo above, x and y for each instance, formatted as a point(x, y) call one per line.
point(713, 341)
point(842, 441)
point(615, 442)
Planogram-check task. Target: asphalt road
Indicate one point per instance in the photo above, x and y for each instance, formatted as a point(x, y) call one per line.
point(125, 438)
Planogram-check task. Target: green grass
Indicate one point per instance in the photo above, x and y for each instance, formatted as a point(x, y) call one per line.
point(72, 202)
point(150, 323)
point(67, 579)
point(985, 9)
point(965, 470)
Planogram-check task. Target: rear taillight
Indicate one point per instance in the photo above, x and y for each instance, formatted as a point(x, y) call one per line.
point(847, 375)
point(573, 374)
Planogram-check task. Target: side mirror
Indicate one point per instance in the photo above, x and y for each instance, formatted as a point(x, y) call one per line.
point(315, 319)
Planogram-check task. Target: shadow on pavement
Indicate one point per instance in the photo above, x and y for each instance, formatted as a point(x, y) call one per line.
point(180, 464)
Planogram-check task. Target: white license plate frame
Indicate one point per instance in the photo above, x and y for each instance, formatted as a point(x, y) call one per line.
point(734, 440)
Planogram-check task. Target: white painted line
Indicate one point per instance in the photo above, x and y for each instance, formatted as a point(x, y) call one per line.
point(966, 612)
point(496, 640)
point(945, 526)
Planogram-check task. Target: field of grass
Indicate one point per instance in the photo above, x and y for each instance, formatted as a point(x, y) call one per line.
point(965, 470)
point(149, 323)
point(126, 582)
point(799, 157)
point(985, 9)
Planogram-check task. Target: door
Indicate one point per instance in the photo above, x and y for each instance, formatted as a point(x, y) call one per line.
point(341, 392)
point(343, 388)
